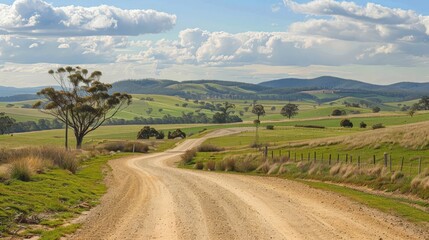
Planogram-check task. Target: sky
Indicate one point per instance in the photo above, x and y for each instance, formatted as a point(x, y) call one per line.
point(381, 42)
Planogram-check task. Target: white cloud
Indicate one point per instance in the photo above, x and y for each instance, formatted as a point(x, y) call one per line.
point(64, 45)
point(37, 17)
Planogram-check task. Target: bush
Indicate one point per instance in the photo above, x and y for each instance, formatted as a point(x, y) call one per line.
point(188, 156)
point(247, 163)
point(211, 165)
point(199, 165)
point(376, 109)
point(377, 126)
point(126, 147)
point(346, 123)
point(362, 125)
point(270, 127)
point(209, 148)
point(338, 112)
point(229, 164)
point(176, 134)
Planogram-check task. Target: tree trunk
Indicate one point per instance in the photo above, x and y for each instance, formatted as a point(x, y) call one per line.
point(79, 141)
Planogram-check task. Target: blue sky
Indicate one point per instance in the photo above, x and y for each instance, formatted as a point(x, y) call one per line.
point(382, 41)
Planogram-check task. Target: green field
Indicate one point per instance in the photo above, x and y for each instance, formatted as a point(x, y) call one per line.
point(176, 106)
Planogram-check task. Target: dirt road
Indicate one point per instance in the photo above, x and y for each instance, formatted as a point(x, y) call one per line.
point(149, 198)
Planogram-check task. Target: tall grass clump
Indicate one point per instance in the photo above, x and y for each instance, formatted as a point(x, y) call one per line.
point(52, 157)
point(124, 146)
point(188, 156)
point(209, 148)
point(23, 169)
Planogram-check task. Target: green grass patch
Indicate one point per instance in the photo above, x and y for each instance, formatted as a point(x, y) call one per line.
point(395, 206)
point(53, 196)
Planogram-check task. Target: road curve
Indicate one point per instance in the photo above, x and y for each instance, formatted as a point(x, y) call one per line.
point(148, 198)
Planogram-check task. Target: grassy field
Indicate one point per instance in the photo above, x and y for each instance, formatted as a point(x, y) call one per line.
point(51, 199)
point(176, 106)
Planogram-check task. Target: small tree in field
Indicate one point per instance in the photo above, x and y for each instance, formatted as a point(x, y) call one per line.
point(346, 123)
point(289, 110)
point(83, 102)
point(6, 123)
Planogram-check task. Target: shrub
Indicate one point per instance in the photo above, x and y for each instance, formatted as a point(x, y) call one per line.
point(229, 163)
point(211, 165)
point(176, 134)
point(377, 126)
point(126, 147)
point(376, 109)
point(362, 125)
point(220, 166)
point(270, 127)
point(346, 123)
point(188, 156)
point(199, 165)
point(247, 163)
point(337, 112)
point(209, 148)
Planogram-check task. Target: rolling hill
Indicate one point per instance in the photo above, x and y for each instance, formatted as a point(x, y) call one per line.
point(293, 89)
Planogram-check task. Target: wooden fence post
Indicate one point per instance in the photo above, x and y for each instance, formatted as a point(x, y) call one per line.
point(351, 159)
point(390, 162)
point(295, 157)
point(338, 158)
point(373, 159)
point(314, 157)
point(402, 163)
point(272, 154)
point(385, 159)
point(288, 154)
point(359, 162)
point(330, 159)
point(347, 158)
point(420, 165)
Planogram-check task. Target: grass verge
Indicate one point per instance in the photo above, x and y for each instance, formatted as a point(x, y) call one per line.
point(395, 206)
point(43, 206)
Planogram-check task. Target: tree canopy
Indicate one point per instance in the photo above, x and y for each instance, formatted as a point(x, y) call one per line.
point(6, 123)
point(289, 110)
point(83, 101)
point(258, 110)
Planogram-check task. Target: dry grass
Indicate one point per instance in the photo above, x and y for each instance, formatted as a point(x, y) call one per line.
point(23, 169)
point(421, 180)
point(412, 136)
point(125, 146)
point(57, 157)
point(211, 165)
point(188, 156)
point(209, 148)
point(242, 163)
point(199, 165)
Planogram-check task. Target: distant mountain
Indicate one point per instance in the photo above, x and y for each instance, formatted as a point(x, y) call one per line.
point(190, 89)
point(281, 89)
point(19, 98)
point(11, 91)
point(325, 82)
point(333, 83)
point(410, 86)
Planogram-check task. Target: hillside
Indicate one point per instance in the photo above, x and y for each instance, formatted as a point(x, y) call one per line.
point(11, 91)
point(291, 89)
